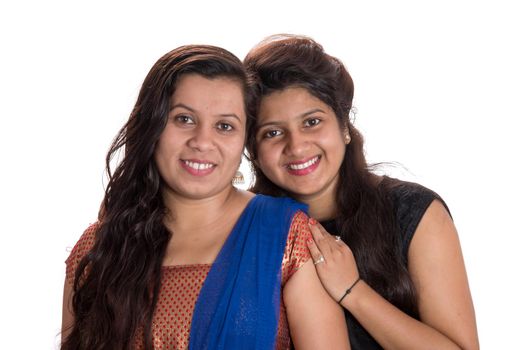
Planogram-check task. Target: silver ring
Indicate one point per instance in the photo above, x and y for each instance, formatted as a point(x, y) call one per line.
point(337, 238)
point(320, 260)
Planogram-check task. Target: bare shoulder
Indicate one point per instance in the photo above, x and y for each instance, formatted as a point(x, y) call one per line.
point(435, 243)
point(437, 268)
point(436, 213)
point(436, 225)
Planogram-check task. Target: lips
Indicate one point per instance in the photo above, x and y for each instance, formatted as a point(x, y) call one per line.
point(198, 167)
point(303, 167)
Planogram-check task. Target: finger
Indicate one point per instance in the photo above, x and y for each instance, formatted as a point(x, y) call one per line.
point(325, 241)
point(321, 228)
point(326, 234)
point(321, 239)
point(318, 231)
point(316, 255)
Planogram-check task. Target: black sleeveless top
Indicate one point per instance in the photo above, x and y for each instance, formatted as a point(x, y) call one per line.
point(410, 201)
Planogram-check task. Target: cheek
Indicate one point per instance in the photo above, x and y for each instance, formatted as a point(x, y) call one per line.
point(234, 148)
point(164, 148)
point(159, 153)
point(267, 158)
point(338, 150)
point(332, 141)
point(161, 157)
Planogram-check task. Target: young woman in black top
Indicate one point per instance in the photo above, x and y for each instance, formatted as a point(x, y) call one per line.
point(395, 265)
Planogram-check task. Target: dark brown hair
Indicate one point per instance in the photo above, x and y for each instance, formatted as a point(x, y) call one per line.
point(365, 215)
point(117, 283)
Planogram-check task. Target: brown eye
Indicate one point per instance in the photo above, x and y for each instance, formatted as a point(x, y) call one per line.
point(184, 119)
point(312, 122)
point(272, 133)
point(224, 127)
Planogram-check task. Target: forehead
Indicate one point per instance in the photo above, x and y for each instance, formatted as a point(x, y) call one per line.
point(224, 94)
point(290, 102)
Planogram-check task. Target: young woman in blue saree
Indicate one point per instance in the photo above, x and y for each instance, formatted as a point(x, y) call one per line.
point(179, 258)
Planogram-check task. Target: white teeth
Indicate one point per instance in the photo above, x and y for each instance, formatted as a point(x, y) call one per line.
point(198, 166)
point(303, 165)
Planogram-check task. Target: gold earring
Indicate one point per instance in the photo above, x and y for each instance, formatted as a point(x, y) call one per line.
point(238, 179)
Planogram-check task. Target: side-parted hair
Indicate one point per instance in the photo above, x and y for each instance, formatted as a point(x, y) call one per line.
point(117, 283)
point(365, 214)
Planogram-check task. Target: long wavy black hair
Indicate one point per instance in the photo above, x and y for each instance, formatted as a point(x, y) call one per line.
point(365, 216)
point(117, 283)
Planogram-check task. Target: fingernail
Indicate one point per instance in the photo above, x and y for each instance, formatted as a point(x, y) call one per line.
point(312, 221)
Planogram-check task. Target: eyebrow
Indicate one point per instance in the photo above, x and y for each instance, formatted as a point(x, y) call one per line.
point(225, 115)
point(181, 105)
point(300, 116)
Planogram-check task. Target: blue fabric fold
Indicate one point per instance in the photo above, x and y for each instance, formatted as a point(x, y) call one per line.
point(239, 303)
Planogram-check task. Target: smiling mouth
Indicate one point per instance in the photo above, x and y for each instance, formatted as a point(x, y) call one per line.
point(305, 165)
point(198, 166)
point(303, 168)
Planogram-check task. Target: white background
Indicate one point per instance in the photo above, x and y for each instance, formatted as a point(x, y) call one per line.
point(439, 89)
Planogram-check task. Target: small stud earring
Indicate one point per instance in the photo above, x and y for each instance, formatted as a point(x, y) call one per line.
point(238, 179)
point(347, 138)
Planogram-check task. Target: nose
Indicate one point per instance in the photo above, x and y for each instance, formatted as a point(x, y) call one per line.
point(202, 139)
point(297, 144)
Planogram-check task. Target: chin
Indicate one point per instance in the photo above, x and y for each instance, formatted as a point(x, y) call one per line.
point(304, 187)
point(203, 193)
point(300, 191)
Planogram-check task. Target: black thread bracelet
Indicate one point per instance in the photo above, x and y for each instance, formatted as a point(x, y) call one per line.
point(349, 290)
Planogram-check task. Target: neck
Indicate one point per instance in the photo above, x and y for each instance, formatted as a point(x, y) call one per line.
point(200, 226)
point(190, 214)
point(322, 205)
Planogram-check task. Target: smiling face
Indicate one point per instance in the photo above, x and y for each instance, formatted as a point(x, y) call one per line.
point(300, 144)
point(201, 146)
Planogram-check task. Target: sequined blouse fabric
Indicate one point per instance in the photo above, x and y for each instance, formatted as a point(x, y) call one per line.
point(181, 284)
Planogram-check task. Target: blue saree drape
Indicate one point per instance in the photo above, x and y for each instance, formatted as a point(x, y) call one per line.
point(239, 303)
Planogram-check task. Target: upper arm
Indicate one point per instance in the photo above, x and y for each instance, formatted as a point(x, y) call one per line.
point(67, 310)
point(84, 244)
point(316, 321)
point(437, 268)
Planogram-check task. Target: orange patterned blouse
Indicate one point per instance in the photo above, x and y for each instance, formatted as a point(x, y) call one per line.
point(181, 284)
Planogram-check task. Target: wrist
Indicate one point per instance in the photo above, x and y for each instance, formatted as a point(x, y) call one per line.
point(351, 300)
point(349, 290)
